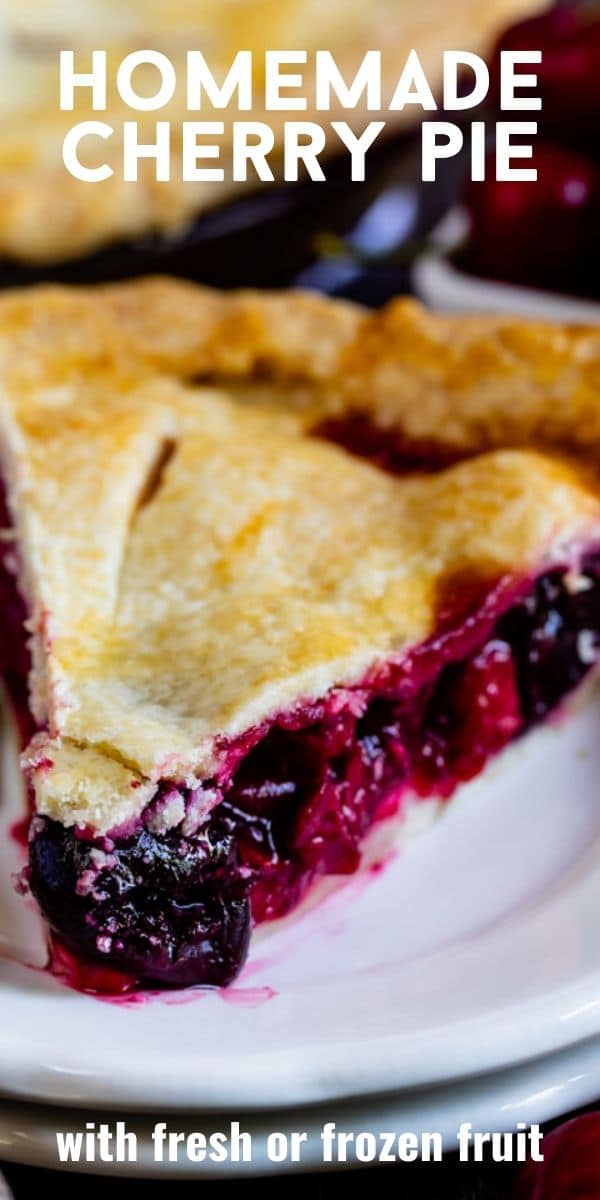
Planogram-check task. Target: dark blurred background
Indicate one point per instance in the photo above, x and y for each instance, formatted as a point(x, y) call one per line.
point(359, 240)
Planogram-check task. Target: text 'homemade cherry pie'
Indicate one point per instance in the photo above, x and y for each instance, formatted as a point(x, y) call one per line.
point(273, 568)
point(48, 217)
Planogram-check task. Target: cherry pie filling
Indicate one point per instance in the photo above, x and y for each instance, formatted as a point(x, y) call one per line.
point(295, 797)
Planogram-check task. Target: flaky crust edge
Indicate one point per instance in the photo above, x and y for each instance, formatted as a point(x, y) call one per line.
point(469, 383)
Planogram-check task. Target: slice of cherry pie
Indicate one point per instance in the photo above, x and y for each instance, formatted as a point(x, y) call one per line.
point(273, 568)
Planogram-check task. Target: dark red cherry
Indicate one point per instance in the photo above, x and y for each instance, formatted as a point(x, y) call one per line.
point(571, 1166)
point(568, 36)
point(542, 233)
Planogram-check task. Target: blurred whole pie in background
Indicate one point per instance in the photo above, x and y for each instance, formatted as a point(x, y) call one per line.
point(49, 221)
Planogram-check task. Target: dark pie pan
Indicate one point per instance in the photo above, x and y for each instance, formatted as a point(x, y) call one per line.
point(286, 235)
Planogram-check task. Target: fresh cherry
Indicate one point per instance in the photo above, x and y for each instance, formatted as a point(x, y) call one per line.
point(568, 36)
point(571, 1166)
point(542, 233)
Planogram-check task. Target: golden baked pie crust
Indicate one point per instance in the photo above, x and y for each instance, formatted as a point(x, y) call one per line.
point(195, 559)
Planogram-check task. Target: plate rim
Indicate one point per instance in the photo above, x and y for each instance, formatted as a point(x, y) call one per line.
point(493, 1029)
point(533, 1092)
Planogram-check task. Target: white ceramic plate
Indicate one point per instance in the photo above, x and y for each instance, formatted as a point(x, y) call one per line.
point(476, 947)
point(533, 1093)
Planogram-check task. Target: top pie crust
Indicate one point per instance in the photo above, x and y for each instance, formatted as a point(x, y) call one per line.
point(195, 560)
point(46, 215)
